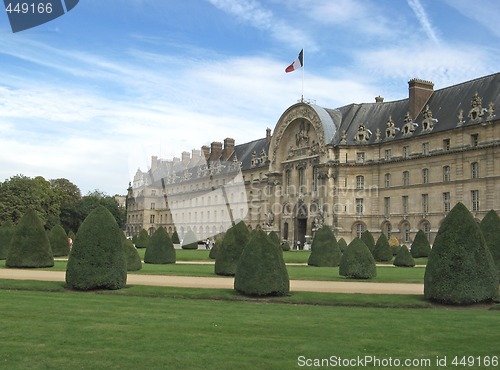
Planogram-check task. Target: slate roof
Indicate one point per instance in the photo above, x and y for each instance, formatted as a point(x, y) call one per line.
point(444, 104)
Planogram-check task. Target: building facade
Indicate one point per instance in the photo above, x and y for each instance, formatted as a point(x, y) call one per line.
point(392, 167)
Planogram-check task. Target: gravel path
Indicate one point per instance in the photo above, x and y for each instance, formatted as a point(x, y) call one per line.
point(227, 282)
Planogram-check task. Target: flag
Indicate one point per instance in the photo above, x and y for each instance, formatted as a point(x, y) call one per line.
point(297, 63)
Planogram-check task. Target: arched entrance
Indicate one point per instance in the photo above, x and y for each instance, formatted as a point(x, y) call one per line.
point(301, 214)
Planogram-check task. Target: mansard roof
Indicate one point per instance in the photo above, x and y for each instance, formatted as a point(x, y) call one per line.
point(442, 109)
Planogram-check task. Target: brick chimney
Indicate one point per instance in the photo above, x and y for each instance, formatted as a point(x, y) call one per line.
point(228, 148)
point(215, 150)
point(206, 152)
point(420, 92)
point(186, 157)
point(268, 135)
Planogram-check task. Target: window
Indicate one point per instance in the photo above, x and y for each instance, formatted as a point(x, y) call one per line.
point(387, 180)
point(474, 169)
point(425, 203)
point(405, 204)
point(359, 206)
point(315, 178)
point(388, 230)
point(425, 148)
point(287, 181)
point(446, 173)
point(446, 202)
point(405, 232)
point(475, 200)
point(388, 154)
point(360, 229)
point(152, 219)
point(426, 228)
point(301, 180)
point(446, 144)
point(360, 182)
point(425, 175)
point(360, 157)
point(406, 152)
point(406, 178)
point(387, 206)
point(153, 206)
point(474, 139)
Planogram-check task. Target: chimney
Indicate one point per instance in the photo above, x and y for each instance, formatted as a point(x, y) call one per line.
point(228, 148)
point(176, 160)
point(206, 151)
point(154, 163)
point(186, 157)
point(379, 99)
point(268, 135)
point(215, 151)
point(420, 92)
point(195, 154)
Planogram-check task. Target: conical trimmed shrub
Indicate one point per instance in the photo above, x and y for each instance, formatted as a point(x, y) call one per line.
point(213, 251)
point(5, 237)
point(420, 246)
point(394, 244)
point(190, 240)
point(230, 249)
point(175, 238)
point(404, 258)
point(142, 239)
point(460, 269)
point(160, 249)
point(97, 260)
point(342, 244)
point(59, 241)
point(132, 256)
point(274, 238)
point(261, 270)
point(367, 238)
point(382, 251)
point(490, 227)
point(325, 251)
point(29, 246)
point(357, 261)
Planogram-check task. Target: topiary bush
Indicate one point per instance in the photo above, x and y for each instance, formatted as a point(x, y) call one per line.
point(175, 238)
point(29, 245)
point(132, 256)
point(357, 261)
point(420, 246)
point(213, 251)
point(285, 246)
point(460, 269)
point(382, 251)
point(490, 227)
point(274, 238)
point(404, 258)
point(367, 238)
point(261, 270)
point(190, 240)
point(230, 249)
point(97, 260)
point(59, 241)
point(325, 251)
point(142, 239)
point(342, 245)
point(160, 249)
point(5, 237)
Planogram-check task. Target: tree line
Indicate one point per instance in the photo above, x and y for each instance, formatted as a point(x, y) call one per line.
point(56, 201)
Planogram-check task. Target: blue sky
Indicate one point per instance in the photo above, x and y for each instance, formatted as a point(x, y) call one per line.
point(93, 94)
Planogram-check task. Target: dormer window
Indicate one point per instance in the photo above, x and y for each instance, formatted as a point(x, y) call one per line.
point(363, 134)
point(409, 126)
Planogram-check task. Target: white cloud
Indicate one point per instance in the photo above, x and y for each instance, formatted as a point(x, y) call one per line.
point(424, 20)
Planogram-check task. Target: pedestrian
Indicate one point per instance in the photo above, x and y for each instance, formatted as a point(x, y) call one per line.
point(298, 245)
point(207, 244)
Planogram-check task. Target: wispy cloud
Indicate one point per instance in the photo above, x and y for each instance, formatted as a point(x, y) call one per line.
point(423, 19)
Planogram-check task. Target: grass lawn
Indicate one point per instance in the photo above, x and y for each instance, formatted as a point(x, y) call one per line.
point(61, 330)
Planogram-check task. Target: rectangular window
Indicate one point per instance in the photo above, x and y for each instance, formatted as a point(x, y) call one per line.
point(474, 139)
point(425, 148)
point(474, 170)
point(425, 175)
point(446, 202)
point(425, 203)
point(388, 154)
point(406, 178)
point(152, 219)
point(359, 206)
point(446, 173)
point(406, 152)
point(360, 157)
point(387, 206)
point(446, 144)
point(475, 200)
point(387, 180)
point(153, 206)
point(360, 182)
point(405, 204)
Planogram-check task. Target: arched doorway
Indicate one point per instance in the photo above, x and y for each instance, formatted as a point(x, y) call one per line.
point(301, 223)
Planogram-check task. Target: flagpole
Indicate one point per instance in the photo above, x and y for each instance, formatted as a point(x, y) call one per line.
point(303, 69)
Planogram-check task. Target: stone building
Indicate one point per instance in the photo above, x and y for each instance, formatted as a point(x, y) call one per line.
point(392, 167)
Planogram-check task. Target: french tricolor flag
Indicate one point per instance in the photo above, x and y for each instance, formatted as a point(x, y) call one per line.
point(297, 63)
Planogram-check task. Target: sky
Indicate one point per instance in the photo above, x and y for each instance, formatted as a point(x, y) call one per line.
point(93, 94)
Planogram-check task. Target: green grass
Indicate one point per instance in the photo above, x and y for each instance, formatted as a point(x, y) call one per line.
point(60, 330)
